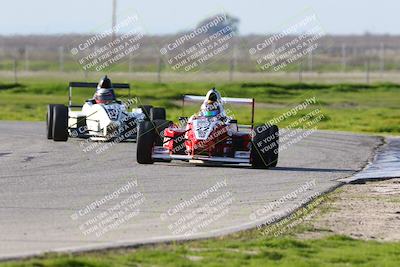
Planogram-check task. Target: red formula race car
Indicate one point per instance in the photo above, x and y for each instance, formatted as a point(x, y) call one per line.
point(211, 136)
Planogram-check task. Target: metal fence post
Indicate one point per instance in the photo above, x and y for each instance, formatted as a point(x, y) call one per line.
point(61, 58)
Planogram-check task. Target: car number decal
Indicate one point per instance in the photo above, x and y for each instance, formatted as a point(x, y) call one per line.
point(112, 113)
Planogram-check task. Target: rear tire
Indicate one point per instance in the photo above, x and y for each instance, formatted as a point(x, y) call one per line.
point(145, 143)
point(160, 126)
point(265, 147)
point(157, 114)
point(60, 123)
point(49, 120)
point(146, 110)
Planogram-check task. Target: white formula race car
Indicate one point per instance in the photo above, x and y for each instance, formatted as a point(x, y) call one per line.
point(99, 122)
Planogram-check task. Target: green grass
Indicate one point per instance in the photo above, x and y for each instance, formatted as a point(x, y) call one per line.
point(347, 107)
point(247, 248)
point(150, 64)
point(239, 251)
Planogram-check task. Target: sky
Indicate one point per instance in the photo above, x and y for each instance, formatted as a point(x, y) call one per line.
point(171, 16)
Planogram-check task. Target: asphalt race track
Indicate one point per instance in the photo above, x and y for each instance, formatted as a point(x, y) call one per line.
point(46, 190)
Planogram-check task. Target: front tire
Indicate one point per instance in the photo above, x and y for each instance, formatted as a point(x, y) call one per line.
point(265, 147)
point(49, 120)
point(60, 123)
point(145, 143)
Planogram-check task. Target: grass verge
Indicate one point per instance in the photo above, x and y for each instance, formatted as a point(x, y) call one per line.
point(347, 107)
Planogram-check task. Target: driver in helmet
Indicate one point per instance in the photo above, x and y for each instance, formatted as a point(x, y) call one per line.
point(104, 93)
point(212, 105)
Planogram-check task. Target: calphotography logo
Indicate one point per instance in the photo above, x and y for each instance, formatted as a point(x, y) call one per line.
point(297, 40)
point(301, 212)
point(263, 213)
point(111, 46)
point(304, 119)
point(212, 204)
point(210, 40)
point(111, 211)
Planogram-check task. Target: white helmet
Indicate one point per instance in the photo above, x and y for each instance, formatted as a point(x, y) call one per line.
point(212, 105)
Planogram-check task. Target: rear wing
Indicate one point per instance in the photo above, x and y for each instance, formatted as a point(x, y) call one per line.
point(233, 100)
point(91, 86)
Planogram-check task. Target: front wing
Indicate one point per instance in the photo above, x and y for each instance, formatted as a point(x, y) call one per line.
point(161, 153)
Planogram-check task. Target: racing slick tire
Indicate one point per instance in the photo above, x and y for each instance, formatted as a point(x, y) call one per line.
point(265, 147)
point(49, 120)
point(146, 110)
point(145, 142)
point(157, 114)
point(60, 123)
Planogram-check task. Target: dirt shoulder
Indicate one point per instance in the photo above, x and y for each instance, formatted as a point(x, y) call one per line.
point(369, 211)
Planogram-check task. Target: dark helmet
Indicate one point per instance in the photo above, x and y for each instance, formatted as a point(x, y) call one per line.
point(105, 92)
point(105, 83)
